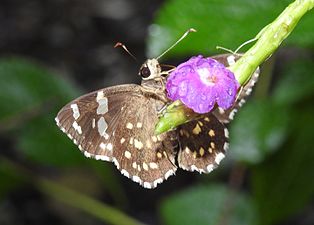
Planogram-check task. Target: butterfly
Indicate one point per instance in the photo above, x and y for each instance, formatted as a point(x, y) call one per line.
point(117, 123)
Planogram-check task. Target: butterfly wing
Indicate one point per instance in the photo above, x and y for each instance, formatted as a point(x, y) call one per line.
point(225, 116)
point(117, 124)
point(203, 143)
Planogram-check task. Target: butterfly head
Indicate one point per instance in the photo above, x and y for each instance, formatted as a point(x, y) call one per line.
point(150, 69)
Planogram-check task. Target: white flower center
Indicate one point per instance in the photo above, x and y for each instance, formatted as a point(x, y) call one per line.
point(205, 76)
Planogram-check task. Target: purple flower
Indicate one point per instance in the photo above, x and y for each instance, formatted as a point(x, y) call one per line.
point(200, 83)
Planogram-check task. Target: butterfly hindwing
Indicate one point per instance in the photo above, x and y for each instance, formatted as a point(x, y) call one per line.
point(117, 124)
point(203, 143)
point(225, 116)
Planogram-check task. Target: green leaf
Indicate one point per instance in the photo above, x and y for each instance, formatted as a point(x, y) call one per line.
point(30, 98)
point(283, 184)
point(10, 179)
point(25, 86)
point(253, 135)
point(41, 141)
point(225, 23)
point(296, 83)
point(212, 204)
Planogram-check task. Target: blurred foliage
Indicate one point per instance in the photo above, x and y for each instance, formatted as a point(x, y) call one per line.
point(272, 137)
point(30, 97)
point(283, 184)
point(209, 205)
point(296, 83)
point(223, 23)
point(267, 133)
point(264, 136)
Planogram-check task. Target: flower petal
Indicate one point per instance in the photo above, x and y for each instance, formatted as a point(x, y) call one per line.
point(200, 83)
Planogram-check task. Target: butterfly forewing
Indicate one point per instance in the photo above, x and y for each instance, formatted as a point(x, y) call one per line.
point(203, 143)
point(117, 124)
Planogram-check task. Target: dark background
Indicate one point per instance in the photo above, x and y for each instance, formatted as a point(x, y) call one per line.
point(73, 40)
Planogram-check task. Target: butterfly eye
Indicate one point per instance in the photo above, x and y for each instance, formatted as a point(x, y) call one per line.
point(145, 72)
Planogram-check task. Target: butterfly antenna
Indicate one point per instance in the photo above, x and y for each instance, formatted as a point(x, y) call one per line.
point(119, 44)
point(238, 49)
point(180, 39)
point(225, 49)
point(245, 43)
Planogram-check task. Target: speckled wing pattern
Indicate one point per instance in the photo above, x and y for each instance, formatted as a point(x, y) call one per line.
point(117, 124)
point(203, 143)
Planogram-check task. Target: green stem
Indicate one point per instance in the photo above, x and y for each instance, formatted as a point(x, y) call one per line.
point(85, 203)
point(71, 197)
point(268, 40)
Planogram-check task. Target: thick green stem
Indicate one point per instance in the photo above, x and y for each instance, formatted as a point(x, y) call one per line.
point(268, 40)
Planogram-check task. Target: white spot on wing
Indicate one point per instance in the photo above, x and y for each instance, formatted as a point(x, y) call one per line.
point(231, 60)
point(57, 121)
point(102, 145)
point(154, 138)
point(232, 113)
point(115, 161)
point(76, 112)
point(129, 126)
point(248, 91)
point(221, 110)
point(127, 154)
point(136, 179)
point(153, 165)
point(226, 146)
point(148, 144)
point(242, 101)
point(102, 157)
point(210, 168)
point(158, 181)
point(100, 95)
point(138, 144)
point(102, 127)
point(219, 157)
point(169, 173)
point(145, 166)
point(102, 105)
point(194, 168)
point(87, 154)
point(226, 133)
point(77, 127)
point(125, 173)
point(109, 146)
point(147, 185)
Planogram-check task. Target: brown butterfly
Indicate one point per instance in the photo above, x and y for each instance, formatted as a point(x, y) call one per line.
point(117, 123)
